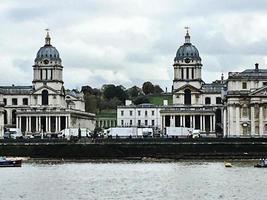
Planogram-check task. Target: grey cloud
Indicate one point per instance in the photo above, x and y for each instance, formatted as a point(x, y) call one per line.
point(129, 49)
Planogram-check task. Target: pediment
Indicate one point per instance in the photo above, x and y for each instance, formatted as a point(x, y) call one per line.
point(259, 92)
point(49, 89)
point(188, 86)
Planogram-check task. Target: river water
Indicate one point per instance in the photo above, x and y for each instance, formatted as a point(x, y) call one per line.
point(134, 180)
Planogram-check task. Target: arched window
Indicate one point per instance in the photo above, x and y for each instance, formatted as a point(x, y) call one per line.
point(13, 116)
point(187, 97)
point(5, 117)
point(207, 100)
point(44, 97)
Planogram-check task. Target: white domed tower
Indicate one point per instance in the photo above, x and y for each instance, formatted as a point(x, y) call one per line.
point(47, 68)
point(187, 81)
point(187, 65)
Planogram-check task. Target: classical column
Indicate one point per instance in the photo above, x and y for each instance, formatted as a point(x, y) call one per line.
point(201, 122)
point(252, 122)
point(27, 124)
point(17, 122)
point(181, 120)
point(49, 124)
point(237, 120)
point(59, 123)
point(211, 123)
point(163, 123)
point(30, 124)
point(193, 121)
point(66, 121)
point(69, 121)
point(204, 125)
point(261, 121)
point(224, 123)
point(36, 124)
point(214, 123)
point(172, 121)
point(56, 124)
point(231, 121)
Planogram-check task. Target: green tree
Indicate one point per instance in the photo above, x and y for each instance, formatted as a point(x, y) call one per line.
point(141, 99)
point(157, 89)
point(91, 103)
point(148, 87)
point(134, 92)
point(111, 91)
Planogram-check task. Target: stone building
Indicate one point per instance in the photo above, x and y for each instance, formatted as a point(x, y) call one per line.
point(196, 104)
point(143, 115)
point(45, 106)
point(1, 116)
point(245, 112)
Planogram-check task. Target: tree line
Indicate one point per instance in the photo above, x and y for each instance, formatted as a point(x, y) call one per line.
point(109, 96)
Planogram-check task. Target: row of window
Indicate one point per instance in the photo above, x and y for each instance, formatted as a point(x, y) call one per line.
point(139, 123)
point(244, 85)
point(208, 100)
point(187, 98)
point(25, 101)
point(14, 101)
point(138, 112)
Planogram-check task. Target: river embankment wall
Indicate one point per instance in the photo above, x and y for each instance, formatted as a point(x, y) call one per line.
point(137, 149)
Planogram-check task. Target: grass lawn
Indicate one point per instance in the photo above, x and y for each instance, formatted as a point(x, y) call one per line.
point(107, 113)
point(158, 99)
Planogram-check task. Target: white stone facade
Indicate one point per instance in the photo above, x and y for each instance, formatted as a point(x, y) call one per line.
point(1, 116)
point(245, 112)
point(143, 115)
point(196, 104)
point(45, 106)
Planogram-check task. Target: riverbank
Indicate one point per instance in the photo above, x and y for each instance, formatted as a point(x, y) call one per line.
point(136, 150)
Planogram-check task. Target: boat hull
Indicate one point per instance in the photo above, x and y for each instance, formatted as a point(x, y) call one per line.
point(10, 163)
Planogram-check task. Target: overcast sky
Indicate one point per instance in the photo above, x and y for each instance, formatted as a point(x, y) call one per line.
point(129, 42)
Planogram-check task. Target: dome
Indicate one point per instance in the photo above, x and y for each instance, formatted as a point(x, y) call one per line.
point(47, 52)
point(187, 51)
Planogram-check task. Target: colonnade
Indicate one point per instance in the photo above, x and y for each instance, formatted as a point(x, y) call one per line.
point(103, 123)
point(192, 121)
point(48, 124)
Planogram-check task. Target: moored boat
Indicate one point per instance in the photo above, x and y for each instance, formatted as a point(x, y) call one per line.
point(9, 162)
point(262, 164)
point(227, 164)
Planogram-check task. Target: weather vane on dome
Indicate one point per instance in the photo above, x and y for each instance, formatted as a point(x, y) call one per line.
point(187, 36)
point(187, 28)
point(47, 38)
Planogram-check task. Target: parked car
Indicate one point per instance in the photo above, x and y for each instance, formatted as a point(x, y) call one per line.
point(13, 133)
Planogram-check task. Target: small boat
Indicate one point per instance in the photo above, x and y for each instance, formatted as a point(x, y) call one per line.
point(227, 164)
point(9, 163)
point(262, 164)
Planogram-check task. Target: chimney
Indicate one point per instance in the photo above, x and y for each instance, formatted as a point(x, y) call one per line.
point(128, 102)
point(165, 102)
point(222, 78)
point(257, 66)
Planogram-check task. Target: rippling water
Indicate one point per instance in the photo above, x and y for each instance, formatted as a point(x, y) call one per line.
point(129, 180)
